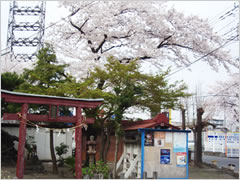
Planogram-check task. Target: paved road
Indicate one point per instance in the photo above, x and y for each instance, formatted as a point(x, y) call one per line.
point(221, 161)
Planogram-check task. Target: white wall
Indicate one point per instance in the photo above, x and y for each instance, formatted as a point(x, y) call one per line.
point(42, 139)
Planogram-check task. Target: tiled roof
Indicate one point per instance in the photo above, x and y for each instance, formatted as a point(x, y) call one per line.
point(160, 120)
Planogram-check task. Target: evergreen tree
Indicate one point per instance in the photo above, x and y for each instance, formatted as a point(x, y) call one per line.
point(11, 81)
point(123, 86)
point(47, 77)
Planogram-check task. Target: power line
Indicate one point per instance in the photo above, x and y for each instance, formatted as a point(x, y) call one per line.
point(227, 88)
point(231, 30)
point(218, 94)
point(225, 15)
point(216, 16)
point(202, 57)
point(214, 95)
point(227, 25)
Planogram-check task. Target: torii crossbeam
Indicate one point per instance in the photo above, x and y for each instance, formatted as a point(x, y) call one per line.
point(26, 99)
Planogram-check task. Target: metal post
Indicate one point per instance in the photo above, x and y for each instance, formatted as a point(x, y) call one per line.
point(78, 140)
point(188, 160)
point(142, 154)
point(21, 142)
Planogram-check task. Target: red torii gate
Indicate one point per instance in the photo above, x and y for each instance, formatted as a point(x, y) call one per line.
point(25, 99)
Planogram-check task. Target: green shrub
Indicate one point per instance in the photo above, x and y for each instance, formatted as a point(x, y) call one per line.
point(61, 150)
point(70, 163)
point(100, 167)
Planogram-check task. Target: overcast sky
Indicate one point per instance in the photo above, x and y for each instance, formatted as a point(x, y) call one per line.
point(198, 73)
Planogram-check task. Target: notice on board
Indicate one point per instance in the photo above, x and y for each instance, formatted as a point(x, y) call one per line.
point(149, 139)
point(181, 159)
point(164, 156)
point(179, 142)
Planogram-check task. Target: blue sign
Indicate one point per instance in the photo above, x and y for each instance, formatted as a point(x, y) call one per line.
point(164, 156)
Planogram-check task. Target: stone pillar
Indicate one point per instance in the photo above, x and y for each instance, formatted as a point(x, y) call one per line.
point(91, 149)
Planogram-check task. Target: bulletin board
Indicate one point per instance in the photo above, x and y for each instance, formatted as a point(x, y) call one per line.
point(165, 152)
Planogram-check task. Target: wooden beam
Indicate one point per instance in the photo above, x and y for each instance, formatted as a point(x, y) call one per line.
point(52, 100)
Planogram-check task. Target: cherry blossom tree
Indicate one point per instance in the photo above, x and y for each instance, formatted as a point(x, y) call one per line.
point(149, 31)
point(200, 121)
point(225, 100)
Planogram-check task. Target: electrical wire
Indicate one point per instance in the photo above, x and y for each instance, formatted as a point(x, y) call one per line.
point(228, 13)
point(218, 15)
point(176, 71)
point(218, 94)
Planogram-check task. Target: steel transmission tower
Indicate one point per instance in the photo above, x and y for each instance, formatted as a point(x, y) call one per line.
point(26, 26)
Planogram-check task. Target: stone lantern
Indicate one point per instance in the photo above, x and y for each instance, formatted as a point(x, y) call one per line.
point(91, 149)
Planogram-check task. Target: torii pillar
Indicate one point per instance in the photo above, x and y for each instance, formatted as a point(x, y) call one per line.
point(78, 140)
point(21, 142)
point(25, 99)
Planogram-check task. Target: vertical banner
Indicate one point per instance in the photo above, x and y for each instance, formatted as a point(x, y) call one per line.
point(170, 116)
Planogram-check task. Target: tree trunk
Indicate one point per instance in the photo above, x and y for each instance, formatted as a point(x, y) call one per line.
point(54, 161)
point(103, 142)
point(107, 148)
point(198, 130)
point(183, 118)
point(115, 157)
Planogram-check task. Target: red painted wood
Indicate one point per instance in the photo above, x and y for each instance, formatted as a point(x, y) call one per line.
point(21, 143)
point(58, 101)
point(49, 100)
point(45, 118)
point(78, 139)
point(10, 116)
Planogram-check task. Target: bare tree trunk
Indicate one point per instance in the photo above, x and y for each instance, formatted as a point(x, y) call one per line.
point(115, 157)
point(183, 118)
point(198, 130)
point(54, 161)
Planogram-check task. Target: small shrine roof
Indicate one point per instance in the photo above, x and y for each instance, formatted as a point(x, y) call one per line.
point(160, 120)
